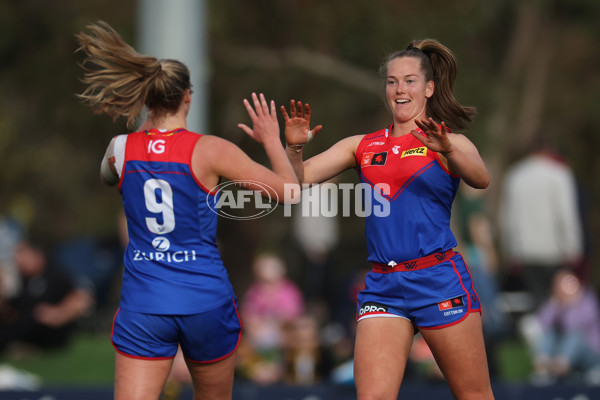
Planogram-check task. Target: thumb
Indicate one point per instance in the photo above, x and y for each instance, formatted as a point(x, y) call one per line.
point(248, 131)
point(315, 131)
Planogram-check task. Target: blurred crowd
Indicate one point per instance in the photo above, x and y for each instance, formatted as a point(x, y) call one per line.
point(47, 292)
point(530, 263)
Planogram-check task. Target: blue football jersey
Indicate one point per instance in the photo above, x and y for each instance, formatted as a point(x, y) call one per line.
point(172, 263)
point(419, 192)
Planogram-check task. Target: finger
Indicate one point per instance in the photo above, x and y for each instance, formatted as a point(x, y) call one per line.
point(421, 124)
point(257, 106)
point(434, 125)
point(246, 129)
point(272, 111)
point(250, 110)
point(284, 113)
point(316, 130)
point(264, 105)
point(418, 136)
point(430, 125)
point(299, 109)
point(292, 108)
point(445, 129)
point(307, 112)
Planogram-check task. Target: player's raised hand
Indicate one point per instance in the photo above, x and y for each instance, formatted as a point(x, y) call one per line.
point(297, 124)
point(264, 119)
point(436, 135)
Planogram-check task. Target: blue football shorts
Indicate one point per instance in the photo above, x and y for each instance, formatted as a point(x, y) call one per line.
point(204, 338)
point(434, 297)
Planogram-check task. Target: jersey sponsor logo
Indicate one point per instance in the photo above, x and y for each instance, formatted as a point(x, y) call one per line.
point(372, 306)
point(369, 159)
point(417, 151)
point(161, 243)
point(396, 149)
point(156, 146)
point(168, 256)
point(451, 303)
point(376, 144)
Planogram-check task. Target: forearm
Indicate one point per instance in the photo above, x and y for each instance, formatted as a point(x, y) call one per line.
point(295, 158)
point(280, 164)
point(469, 167)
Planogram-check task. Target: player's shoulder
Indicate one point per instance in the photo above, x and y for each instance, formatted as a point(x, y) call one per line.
point(381, 133)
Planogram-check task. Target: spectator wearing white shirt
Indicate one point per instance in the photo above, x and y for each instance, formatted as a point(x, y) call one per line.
point(540, 223)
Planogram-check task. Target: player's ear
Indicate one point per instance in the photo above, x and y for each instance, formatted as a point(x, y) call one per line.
point(429, 89)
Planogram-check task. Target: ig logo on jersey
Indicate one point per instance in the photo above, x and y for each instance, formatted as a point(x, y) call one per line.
point(161, 244)
point(156, 146)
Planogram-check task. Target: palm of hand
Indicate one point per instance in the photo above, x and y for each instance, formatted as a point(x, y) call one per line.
point(296, 130)
point(436, 136)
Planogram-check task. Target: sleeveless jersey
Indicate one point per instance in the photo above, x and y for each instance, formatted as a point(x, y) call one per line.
point(172, 264)
point(420, 192)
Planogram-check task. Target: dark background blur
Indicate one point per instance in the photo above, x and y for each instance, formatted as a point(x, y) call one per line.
point(529, 67)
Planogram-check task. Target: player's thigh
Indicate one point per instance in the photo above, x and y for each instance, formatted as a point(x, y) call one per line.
point(137, 379)
point(460, 353)
point(213, 381)
point(381, 350)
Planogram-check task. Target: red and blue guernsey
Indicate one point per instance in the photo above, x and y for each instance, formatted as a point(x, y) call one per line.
point(172, 263)
point(420, 191)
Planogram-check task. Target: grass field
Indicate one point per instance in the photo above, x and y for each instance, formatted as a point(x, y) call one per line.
point(89, 361)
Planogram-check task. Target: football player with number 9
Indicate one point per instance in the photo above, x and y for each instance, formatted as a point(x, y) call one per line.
point(175, 290)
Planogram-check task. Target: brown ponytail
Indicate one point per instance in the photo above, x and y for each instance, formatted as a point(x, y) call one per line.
point(439, 65)
point(121, 81)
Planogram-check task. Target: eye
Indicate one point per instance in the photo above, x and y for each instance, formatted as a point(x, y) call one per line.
point(391, 82)
point(410, 81)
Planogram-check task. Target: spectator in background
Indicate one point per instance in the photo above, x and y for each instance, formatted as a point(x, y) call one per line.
point(44, 312)
point(271, 301)
point(306, 360)
point(567, 338)
point(540, 222)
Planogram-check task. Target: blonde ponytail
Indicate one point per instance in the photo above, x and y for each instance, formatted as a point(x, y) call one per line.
point(121, 81)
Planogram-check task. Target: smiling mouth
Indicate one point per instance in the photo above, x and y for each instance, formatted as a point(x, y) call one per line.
point(402, 101)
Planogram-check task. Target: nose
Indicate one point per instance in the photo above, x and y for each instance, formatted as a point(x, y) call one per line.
point(400, 87)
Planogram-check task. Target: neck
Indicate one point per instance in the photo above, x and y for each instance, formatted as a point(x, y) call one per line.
point(166, 122)
point(402, 128)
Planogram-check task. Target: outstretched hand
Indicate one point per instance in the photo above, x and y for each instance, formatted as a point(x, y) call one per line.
point(297, 124)
point(436, 136)
point(264, 119)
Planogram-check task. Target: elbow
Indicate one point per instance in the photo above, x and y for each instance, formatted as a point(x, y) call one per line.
point(478, 182)
point(481, 183)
